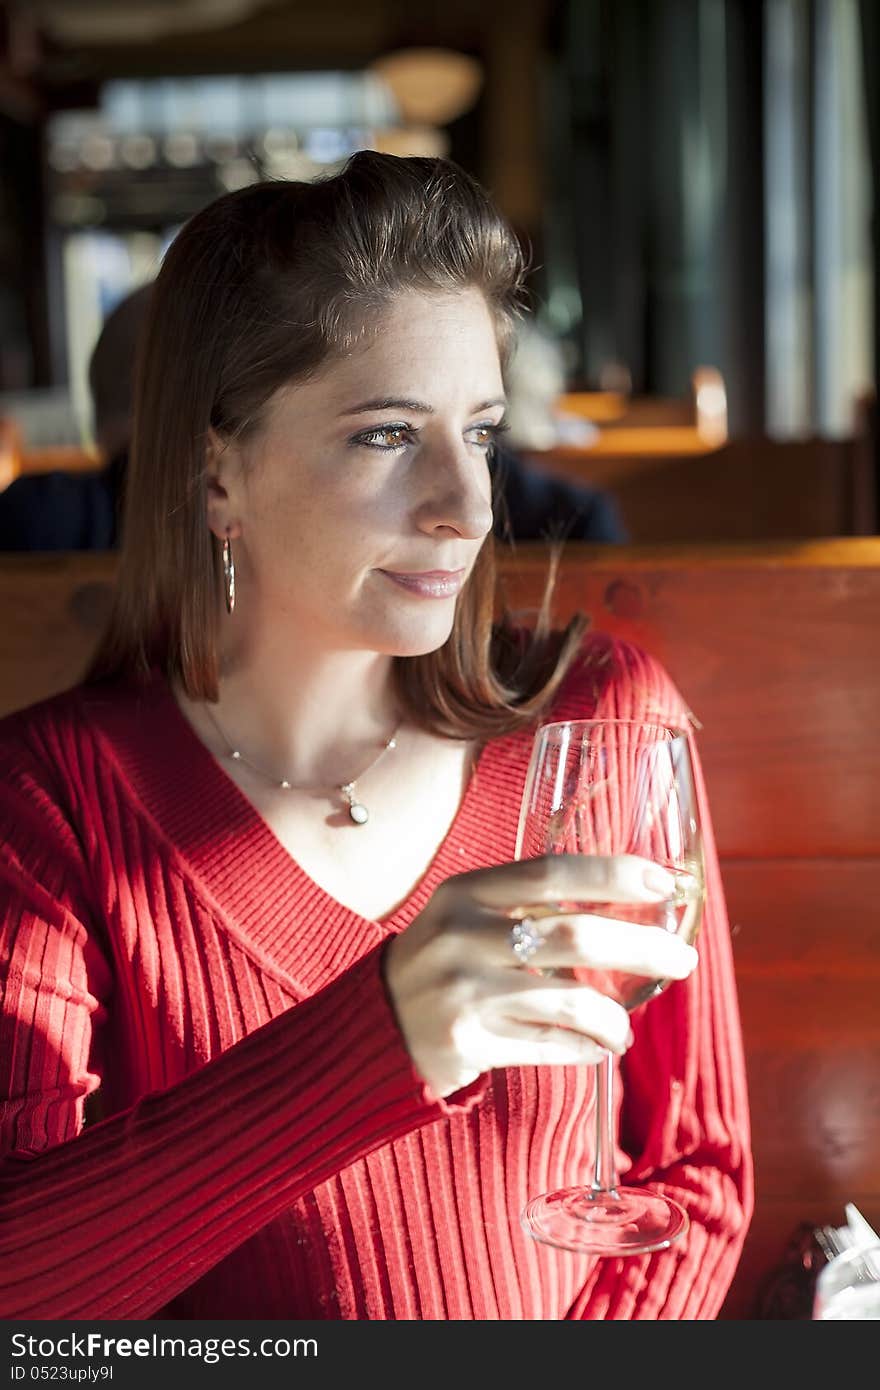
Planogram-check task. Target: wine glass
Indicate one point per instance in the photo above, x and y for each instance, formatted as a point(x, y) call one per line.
point(612, 787)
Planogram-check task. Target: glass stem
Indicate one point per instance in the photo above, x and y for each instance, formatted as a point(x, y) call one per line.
point(604, 1176)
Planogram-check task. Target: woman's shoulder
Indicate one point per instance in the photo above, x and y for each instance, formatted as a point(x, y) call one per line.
point(40, 750)
point(36, 727)
point(612, 677)
point(48, 737)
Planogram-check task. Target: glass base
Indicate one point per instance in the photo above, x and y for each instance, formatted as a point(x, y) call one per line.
point(627, 1221)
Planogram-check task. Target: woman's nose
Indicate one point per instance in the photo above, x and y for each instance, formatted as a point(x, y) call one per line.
point(458, 495)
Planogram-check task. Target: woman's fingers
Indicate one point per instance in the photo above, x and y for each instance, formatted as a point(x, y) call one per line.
point(607, 943)
point(588, 939)
point(540, 1009)
point(529, 1045)
point(622, 878)
point(462, 1000)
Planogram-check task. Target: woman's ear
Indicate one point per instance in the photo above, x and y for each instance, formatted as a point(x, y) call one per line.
point(222, 467)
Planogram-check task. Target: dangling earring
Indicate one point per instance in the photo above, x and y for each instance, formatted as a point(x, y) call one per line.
point(228, 575)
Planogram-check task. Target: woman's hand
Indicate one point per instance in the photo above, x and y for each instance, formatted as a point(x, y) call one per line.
point(465, 1004)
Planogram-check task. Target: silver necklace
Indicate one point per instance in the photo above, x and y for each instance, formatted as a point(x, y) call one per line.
point(347, 790)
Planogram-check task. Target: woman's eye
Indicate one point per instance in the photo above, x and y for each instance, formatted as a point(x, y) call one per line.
point(388, 437)
point(487, 435)
point(484, 434)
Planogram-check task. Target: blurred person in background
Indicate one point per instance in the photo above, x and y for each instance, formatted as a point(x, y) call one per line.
point(531, 504)
point(80, 511)
point(268, 1048)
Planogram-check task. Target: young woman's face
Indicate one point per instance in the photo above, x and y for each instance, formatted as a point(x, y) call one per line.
point(364, 500)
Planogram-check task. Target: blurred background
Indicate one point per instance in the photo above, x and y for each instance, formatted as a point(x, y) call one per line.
point(696, 182)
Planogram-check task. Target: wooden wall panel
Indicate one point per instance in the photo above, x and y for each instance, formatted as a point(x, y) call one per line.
point(806, 941)
point(774, 649)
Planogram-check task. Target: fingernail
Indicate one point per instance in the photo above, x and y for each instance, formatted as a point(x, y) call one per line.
point(659, 880)
point(630, 1038)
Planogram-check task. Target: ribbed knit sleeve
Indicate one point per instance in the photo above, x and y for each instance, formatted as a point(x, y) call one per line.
point(112, 1221)
point(685, 1115)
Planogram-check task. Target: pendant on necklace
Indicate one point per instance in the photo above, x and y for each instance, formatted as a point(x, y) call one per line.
point(358, 812)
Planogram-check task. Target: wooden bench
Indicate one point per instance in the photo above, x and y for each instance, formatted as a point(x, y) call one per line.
point(775, 648)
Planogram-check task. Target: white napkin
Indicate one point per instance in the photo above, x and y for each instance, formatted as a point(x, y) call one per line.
point(862, 1233)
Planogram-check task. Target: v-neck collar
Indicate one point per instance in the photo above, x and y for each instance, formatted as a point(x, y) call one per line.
point(295, 928)
point(289, 920)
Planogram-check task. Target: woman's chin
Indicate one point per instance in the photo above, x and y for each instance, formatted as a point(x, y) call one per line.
point(427, 637)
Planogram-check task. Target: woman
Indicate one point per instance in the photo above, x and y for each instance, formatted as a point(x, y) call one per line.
point(257, 890)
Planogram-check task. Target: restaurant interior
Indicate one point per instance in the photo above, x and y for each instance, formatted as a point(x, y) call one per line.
point(697, 185)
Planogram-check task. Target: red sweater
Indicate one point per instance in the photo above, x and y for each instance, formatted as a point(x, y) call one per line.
point(266, 1148)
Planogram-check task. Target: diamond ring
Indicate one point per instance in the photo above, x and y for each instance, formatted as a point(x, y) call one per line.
point(525, 939)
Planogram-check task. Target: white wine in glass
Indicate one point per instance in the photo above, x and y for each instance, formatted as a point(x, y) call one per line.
point(613, 787)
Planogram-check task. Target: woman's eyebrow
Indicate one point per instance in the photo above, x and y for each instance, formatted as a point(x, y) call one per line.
point(419, 407)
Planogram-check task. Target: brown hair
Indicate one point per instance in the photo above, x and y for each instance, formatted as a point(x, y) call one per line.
point(257, 290)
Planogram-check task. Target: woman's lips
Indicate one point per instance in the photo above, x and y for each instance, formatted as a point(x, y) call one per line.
point(429, 584)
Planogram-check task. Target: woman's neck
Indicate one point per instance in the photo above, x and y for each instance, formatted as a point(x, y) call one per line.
point(311, 717)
